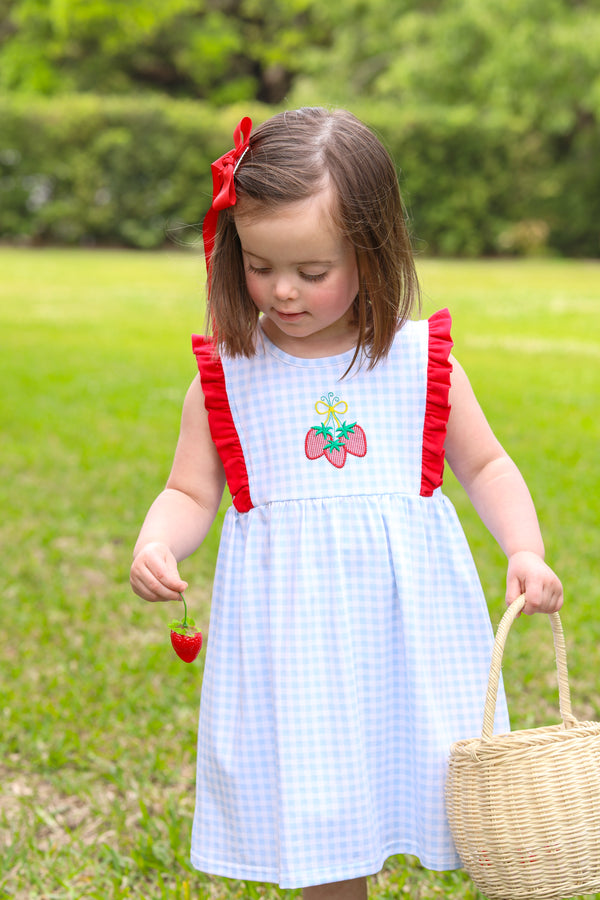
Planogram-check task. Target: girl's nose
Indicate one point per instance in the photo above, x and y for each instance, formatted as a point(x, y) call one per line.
point(285, 289)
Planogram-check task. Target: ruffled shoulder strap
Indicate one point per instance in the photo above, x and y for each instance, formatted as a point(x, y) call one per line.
point(220, 421)
point(437, 408)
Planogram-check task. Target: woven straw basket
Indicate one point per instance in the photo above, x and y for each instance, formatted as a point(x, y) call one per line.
point(524, 807)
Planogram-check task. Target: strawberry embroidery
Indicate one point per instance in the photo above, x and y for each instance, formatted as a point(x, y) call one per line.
point(334, 439)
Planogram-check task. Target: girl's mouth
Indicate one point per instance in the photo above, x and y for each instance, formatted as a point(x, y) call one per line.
point(289, 317)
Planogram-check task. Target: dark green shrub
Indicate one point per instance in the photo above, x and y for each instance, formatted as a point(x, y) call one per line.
point(85, 169)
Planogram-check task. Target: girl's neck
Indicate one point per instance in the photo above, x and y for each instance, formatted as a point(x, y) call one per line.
point(313, 348)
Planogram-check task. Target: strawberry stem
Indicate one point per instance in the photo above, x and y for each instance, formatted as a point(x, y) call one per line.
point(184, 610)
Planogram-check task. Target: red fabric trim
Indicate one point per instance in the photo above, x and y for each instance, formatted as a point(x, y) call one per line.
point(437, 408)
point(220, 421)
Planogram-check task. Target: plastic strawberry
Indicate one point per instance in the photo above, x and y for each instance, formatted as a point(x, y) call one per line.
point(185, 637)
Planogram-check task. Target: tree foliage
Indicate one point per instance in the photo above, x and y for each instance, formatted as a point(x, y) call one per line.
point(538, 58)
point(222, 50)
point(445, 73)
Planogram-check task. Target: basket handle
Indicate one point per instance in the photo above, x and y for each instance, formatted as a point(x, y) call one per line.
point(560, 651)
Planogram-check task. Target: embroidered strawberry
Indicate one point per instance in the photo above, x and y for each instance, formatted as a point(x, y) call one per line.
point(356, 442)
point(335, 452)
point(314, 445)
point(185, 637)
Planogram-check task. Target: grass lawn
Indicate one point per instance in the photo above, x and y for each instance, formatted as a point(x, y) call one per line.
point(98, 716)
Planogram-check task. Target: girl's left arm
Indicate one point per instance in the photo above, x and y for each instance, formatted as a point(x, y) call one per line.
point(498, 492)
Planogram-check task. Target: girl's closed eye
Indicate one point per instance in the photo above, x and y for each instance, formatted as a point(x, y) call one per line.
point(257, 270)
point(309, 276)
point(306, 276)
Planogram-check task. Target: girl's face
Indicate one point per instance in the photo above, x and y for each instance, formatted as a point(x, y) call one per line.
point(302, 275)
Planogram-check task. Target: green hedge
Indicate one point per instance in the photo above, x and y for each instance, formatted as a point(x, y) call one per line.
point(85, 169)
point(478, 182)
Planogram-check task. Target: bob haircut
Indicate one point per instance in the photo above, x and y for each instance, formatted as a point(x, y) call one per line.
point(291, 157)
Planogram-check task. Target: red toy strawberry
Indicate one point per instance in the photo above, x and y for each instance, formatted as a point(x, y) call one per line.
point(185, 637)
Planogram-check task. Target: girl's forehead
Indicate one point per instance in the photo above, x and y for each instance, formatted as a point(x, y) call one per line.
point(319, 206)
point(297, 231)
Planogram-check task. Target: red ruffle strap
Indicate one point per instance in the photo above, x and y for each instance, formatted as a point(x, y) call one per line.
point(437, 408)
point(220, 421)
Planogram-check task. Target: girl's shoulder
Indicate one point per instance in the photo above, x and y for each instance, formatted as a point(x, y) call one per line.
point(437, 328)
point(427, 344)
point(439, 321)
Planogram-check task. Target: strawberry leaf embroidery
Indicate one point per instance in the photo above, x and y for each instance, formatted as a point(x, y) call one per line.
point(344, 430)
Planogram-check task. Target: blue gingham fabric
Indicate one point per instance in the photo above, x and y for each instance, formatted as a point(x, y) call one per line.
point(349, 641)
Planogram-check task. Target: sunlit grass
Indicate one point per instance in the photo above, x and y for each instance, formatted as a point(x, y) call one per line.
point(98, 724)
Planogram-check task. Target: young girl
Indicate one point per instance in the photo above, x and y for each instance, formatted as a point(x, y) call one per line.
point(349, 638)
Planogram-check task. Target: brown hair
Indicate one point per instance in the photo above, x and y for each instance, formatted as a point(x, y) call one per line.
point(290, 158)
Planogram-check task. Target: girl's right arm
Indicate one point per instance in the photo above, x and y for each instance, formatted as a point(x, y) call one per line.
point(182, 514)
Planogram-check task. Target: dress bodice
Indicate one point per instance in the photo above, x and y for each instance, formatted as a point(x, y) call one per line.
point(289, 428)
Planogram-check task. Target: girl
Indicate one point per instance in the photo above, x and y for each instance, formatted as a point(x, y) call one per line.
point(349, 637)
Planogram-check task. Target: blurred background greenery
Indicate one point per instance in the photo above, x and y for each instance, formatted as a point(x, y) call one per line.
point(110, 114)
point(112, 110)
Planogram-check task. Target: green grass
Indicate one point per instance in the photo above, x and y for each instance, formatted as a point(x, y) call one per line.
point(98, 717)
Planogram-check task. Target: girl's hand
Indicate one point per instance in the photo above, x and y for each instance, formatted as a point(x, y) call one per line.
point(528, 574)
point(154, 575)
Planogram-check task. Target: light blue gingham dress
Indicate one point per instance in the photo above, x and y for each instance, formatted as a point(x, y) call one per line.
point(349, 640)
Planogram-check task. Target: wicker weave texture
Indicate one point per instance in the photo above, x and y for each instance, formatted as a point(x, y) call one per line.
point(524, 807)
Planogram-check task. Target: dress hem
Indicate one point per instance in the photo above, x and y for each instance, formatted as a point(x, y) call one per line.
point(319, 877)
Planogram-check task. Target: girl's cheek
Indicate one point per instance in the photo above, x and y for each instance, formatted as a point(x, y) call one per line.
point(251, 285)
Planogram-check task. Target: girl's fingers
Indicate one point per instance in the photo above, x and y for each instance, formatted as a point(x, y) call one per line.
point(528, 574)
point(155, 580)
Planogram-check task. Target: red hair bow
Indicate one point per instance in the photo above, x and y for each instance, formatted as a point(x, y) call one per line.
point(223, 170)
